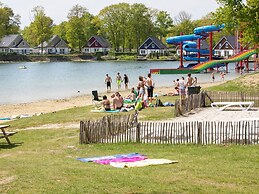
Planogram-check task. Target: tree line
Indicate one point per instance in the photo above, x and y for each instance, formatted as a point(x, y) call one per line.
point(127, 26)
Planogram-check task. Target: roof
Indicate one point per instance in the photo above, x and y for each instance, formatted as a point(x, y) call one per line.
point(55, 41)
point(103, 42)
point(8, 40)
point(150, 40)
point(231, 40)
point(100, 39)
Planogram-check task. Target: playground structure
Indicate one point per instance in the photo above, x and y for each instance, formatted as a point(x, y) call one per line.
point(203, 57)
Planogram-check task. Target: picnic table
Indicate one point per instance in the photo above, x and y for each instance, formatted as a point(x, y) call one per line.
point(5, 134)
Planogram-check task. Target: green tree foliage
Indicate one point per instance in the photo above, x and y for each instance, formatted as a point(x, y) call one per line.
point(79, 27)
point(40, 30)
point(241, 16)
point(163, 23)
point(9, 22)
point(126, 25)
point(61, 30)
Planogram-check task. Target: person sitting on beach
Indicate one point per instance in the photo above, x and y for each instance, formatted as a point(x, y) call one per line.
point(106, 103)
point(117, 101)
point(132, 96)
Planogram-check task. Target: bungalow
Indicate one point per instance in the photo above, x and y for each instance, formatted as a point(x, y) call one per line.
point(55, 45)
point(225, 47)
point(152, 45)
point(96, 44)
point(14, 44)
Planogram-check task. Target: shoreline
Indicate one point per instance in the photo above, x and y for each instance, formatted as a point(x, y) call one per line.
point(48, 106)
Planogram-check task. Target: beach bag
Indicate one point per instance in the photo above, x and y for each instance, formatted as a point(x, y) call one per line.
point(138, 105)
point(159, 103)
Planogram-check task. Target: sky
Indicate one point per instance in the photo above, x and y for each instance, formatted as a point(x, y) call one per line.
point(58, 9)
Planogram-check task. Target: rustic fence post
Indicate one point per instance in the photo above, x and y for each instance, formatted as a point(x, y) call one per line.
point(138, 133)
point(199, 138)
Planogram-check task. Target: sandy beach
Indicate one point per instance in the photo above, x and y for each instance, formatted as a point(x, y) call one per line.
point(47, 106)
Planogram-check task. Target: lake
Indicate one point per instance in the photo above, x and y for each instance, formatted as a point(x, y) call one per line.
point(57, 80)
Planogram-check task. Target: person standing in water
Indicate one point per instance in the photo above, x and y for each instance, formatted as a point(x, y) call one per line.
point(126, 81)
point(108, 82)
point(118, 80)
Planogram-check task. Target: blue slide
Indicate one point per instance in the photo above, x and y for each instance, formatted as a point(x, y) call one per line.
point(191, 47)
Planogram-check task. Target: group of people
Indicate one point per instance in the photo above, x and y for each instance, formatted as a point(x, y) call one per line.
point(222, 75)
point(116, 102)
point(181, 85)
point(119, 80)
point(143, 92)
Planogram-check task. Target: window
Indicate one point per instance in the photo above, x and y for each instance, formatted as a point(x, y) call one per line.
point(153, 45)
point(226, 45)
point(145, 45)
point(14, 43)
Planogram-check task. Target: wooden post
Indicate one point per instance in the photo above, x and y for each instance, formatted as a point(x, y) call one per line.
point(138, 133)
point(199, 138)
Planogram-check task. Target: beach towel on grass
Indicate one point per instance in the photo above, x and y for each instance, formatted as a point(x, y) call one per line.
point(146, 162)
point(119, 160)
point(108, 111)
point(92, 159)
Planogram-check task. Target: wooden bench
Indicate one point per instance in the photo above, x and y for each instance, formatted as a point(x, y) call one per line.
point(6, 135)
point(223, 105)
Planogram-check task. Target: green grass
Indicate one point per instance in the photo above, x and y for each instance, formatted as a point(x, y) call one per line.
point(241, 84)
point(45, 162)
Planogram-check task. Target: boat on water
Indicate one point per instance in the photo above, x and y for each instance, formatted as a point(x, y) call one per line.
point(23, 67)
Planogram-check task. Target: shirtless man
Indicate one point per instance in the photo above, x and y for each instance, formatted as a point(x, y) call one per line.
point(189, 81)
point(150, 87)
point(117, 101)
point(118, 80)
point(108, 81)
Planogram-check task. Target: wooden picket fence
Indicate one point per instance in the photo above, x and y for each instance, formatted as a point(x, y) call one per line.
point(194, 132)
point(232, 97)
point(126, 128)
point(205, 98)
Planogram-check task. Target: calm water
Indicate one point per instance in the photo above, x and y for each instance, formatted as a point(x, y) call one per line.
point(65, 79)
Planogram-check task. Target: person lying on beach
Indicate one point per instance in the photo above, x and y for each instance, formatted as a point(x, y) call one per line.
point(117, 101)
point(106, 103)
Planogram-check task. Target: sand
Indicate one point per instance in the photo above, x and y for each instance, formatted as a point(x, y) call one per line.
point(47, 106)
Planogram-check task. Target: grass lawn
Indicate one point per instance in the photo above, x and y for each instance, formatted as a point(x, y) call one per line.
point(44, 161)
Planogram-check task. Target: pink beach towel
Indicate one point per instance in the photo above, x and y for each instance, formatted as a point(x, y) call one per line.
point(126, 159)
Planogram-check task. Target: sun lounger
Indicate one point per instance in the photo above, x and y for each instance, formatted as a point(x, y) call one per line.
point(224, 105)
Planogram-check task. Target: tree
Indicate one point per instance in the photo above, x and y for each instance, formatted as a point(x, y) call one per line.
point(9, 22)
point(61, 30)
point(142, 25)
point(237, 15)
point(115, 23)
point(183, 24)
point(79, 26)
point(163, 23)
point(40, 30)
